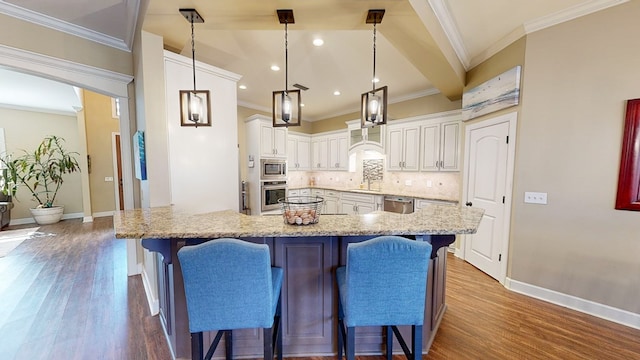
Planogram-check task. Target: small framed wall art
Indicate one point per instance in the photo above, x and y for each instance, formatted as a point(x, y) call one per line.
point(495, 94)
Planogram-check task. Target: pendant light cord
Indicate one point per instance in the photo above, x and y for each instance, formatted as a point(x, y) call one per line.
point(286, 57)
point(373, 81)
point(193, 54)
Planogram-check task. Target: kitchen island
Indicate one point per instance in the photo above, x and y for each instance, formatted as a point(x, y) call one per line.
point(309, 256)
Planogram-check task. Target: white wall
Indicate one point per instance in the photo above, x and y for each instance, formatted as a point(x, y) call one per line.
point(204, 160)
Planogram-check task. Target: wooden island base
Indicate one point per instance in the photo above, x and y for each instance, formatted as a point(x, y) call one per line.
point(309, 296)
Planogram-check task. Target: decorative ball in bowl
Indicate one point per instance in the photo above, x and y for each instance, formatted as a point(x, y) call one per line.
point(301, 210)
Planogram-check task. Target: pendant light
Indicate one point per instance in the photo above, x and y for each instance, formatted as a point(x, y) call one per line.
point(374, 103)
point(286, 106)
point(195, 105)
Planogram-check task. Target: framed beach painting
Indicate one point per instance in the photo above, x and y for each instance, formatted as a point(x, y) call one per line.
point(496, 94)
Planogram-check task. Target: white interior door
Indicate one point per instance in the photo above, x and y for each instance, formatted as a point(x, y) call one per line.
point(488, 181)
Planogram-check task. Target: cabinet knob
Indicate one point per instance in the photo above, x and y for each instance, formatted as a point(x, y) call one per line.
point(469, 203)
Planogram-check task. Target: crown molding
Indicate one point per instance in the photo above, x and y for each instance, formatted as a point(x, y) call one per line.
point(450, 29)
point(392, 100)
point(89, 77)
point(571, 13)
point(72, 29)
point(72, 112)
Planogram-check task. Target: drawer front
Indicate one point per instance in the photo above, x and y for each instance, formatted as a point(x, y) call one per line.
point(359, 197)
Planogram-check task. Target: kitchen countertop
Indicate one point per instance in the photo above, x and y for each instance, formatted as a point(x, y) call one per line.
point(172, 222)
point(376, 192)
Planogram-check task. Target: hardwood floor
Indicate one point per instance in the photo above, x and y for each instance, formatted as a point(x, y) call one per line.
point(66, 296)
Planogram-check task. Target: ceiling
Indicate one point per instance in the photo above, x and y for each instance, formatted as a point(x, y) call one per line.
point(422, 46)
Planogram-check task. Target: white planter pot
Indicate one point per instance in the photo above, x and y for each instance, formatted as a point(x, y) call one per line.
point(44, 216)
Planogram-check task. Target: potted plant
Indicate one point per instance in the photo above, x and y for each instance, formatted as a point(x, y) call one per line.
point(42, 173)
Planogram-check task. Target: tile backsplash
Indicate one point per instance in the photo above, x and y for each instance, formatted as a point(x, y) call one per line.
point(437, 185)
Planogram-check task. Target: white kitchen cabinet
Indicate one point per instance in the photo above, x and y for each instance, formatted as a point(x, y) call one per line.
point(421, 203)
point(403, 142)
point(331, 201)
point(273, 141)
point(299, 152)
point(263, 140)
point(359, 204)
point(338, 152)
point(440, 147)
point(329, 151)
point(371, 138)
point(319, 153)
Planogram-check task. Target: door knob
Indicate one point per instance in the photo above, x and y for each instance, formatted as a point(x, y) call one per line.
point(469, 203)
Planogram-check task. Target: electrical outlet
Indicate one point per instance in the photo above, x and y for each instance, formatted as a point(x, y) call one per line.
point(108, 178)
point(535, 198)
point(407, 182)
point(429, 183)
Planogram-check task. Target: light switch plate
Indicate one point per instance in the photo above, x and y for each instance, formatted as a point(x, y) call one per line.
point(535, 197)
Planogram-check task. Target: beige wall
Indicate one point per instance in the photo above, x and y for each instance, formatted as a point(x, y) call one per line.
point(100, 125)
point(42, 40)
point(577, 78)
point(421, 106)
point(24, 130)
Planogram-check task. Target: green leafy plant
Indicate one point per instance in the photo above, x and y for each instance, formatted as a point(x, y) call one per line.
point(41, 171)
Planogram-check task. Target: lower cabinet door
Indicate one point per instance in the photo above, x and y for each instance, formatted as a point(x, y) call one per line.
point(307, 306)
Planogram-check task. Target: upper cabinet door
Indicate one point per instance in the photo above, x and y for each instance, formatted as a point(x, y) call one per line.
point(304, 153)
point(430, 152)
point(450, 146)
point(280, 141)
point(403, 146)
point(440, 147)
point(273, 141)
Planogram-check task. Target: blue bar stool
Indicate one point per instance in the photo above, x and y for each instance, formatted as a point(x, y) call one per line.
point(230, 284)
point(383, 284)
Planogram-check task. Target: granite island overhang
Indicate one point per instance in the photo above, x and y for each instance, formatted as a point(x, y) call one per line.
point(308, 254)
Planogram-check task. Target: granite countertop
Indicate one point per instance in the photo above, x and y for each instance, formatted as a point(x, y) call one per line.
point(377, 192)
point(171, 222)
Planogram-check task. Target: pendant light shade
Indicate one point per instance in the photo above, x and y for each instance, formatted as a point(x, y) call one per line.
point(286, 104)
point(373, 109)
point(195, 105)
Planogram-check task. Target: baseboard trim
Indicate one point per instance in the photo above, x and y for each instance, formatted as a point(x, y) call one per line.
point(30, 220)
point(606, 312)
point(154, 304)
point(103, 214)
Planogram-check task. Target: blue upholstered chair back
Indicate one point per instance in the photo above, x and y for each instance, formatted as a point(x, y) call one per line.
point(385, 282)
point(228, 285)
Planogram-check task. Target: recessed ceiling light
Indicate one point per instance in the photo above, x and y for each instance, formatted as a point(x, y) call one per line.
point(318, 42)
point(243, 87)
point(336, 93)
point(375, 80)
point(302, 104)
point(275, 67)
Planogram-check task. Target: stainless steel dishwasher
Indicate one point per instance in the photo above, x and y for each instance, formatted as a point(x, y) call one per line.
point(397, 204)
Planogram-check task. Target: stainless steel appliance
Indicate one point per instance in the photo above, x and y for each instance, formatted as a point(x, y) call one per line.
point(271, 191)
point(273, 169)
point(397, 204)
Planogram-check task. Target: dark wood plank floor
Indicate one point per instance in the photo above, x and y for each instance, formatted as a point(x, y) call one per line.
point(67, 296)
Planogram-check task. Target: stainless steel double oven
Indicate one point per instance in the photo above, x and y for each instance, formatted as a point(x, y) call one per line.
point(273, 183)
